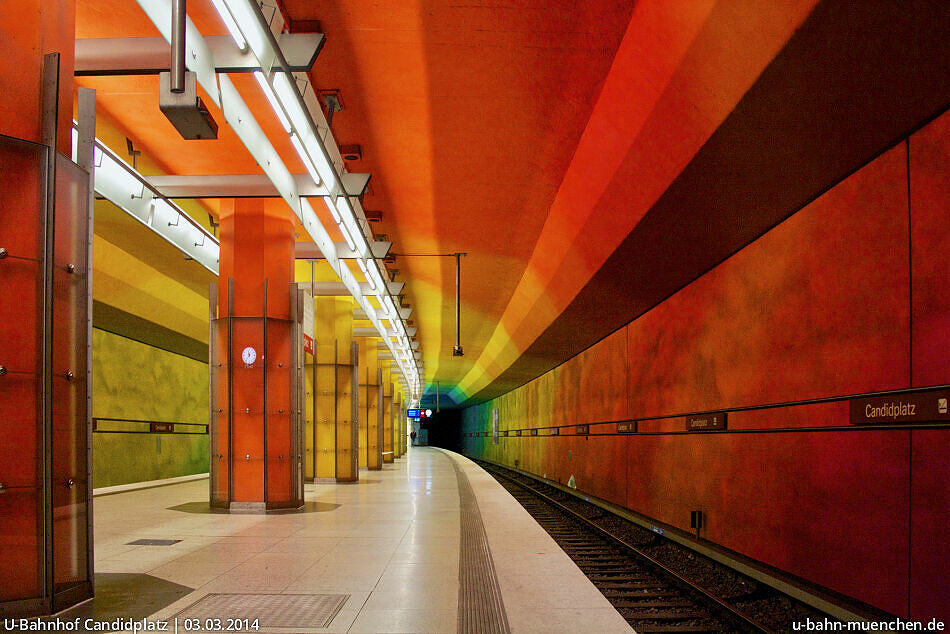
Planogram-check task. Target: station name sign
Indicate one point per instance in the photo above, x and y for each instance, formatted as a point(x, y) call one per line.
point(912, 407)
point(703, 422)
point(629, 427)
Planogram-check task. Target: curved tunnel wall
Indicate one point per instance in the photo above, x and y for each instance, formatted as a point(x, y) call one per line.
point(848, 295)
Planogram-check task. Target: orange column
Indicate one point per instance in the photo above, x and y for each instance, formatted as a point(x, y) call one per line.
point(254, 303)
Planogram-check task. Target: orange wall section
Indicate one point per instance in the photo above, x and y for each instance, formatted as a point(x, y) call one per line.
point(257, 243)
point(677, 75)
point(29, 30)
point(846, 296)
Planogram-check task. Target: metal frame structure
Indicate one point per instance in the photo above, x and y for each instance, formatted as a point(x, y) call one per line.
point(257, 35)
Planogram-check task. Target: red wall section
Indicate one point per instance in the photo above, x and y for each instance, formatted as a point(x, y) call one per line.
point(821, 306)
point(808, 503)
point(818, 306)
point(589, 385)
point(930, 519)
point(930, 213)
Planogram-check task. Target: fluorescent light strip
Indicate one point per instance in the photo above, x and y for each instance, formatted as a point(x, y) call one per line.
point(231, 25)
point(306, 159)
point(320, 157)
point(250, 31)
point(272, 98)
point(333, 210)
point(369, 278)
point(374, 272)
point(347, 237)
point(288, 96)
point(247, 24)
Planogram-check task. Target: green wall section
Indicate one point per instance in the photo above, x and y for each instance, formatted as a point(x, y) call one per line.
point(137, 381)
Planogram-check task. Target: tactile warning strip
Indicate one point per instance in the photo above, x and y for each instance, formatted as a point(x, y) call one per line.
point(297, 611)
point(481, 608)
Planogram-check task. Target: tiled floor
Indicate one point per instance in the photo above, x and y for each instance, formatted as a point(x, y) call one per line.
point(392, 544)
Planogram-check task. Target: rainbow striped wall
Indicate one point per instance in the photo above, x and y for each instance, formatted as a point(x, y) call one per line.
point(848, 296)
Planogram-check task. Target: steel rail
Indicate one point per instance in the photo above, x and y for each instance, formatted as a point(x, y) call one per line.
point(718, 605)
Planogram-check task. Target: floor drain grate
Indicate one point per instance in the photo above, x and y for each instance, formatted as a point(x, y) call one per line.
point(153, 542)
point(300, 611)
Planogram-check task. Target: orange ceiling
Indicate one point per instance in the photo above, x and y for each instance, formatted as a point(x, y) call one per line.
point(532, 136)
point(467, 116)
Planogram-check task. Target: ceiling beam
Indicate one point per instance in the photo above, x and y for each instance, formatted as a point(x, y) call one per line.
point(379, 248)
point(152, 55)
point(247, 185)
point(310, 251)
point(337, 289)
point(410, 332)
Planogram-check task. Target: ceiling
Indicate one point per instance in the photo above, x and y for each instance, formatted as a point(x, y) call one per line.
point(536, 137)
point(467, 117)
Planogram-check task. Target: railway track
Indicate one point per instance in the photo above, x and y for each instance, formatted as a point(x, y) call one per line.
point(650, 594)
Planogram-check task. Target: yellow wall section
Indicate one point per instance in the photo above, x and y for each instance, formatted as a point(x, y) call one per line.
point(369, 390)
point(388, 455)
point(123, 281)
point(136, 381)
point(335, 441)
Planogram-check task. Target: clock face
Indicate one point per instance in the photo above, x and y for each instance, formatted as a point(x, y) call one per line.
point(249, 355)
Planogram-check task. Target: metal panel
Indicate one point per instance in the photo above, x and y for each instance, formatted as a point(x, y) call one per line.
point(229, 186)
point(85, 152)
point(310, 251)
point(23, 183)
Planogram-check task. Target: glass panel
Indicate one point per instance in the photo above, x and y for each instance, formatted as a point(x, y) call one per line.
point(70, 485)
point(280, 465)
point(298, 413)
point(309, 415)
point(345, 425)
point(372, 425)
point(22, 207)
point(247, 418)
point(220, 432)
point(325, 435)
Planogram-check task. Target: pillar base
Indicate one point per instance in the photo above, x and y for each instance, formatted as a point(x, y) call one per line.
point(249, 508)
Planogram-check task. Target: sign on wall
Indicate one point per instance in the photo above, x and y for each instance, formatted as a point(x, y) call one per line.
point(308, 322)
point(913, 407)
point(704, 422)
point(628, 427)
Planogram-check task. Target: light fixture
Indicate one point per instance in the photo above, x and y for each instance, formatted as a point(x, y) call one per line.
point(246, 24)
point(289, 99)
point(111, 171)
point(305, 159)
point(231, 25)
point(333, 210)
point(272, 98)
point(374, 271)
point(320, 158)
point(347, 237)
point(369, 278)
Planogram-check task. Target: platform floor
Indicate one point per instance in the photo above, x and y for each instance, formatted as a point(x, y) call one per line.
point(389, 544)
